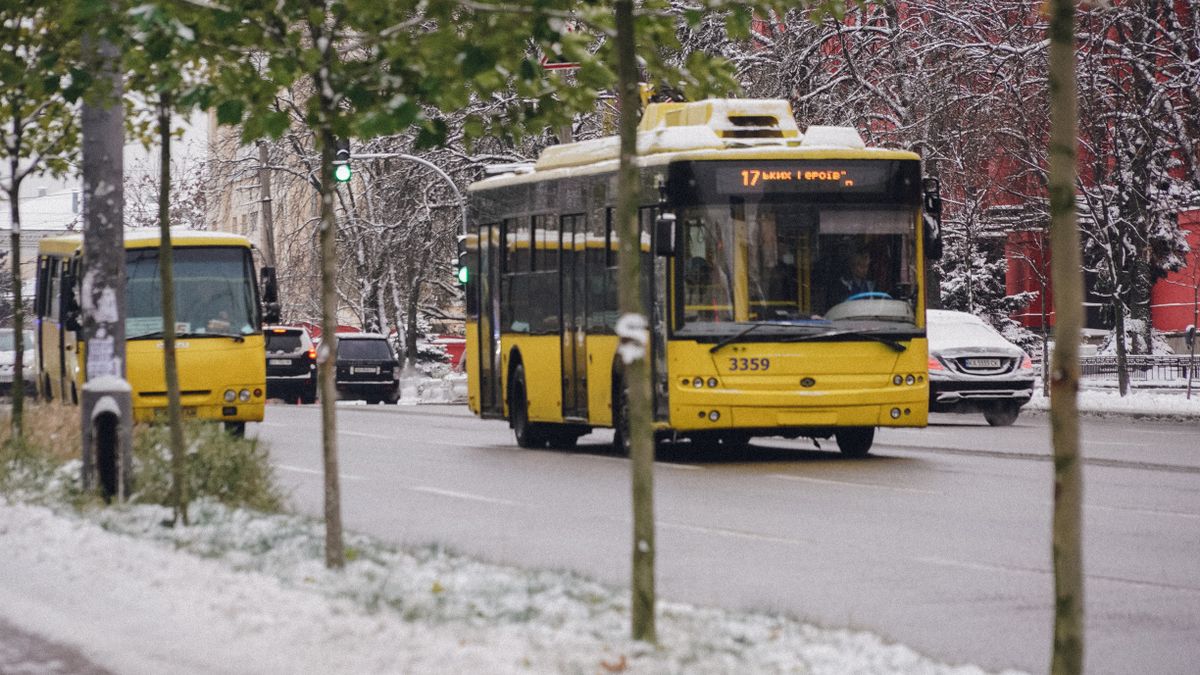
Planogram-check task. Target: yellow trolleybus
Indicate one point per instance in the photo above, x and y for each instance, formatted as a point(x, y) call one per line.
point(783, 274)
point(219, 352)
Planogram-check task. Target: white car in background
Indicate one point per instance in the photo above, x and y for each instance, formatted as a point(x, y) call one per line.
point(8, 359)
point(972, 368)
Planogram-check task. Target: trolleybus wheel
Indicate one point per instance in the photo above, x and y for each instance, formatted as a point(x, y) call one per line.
point(529, 434)
point(855, 441)
point(562, 439)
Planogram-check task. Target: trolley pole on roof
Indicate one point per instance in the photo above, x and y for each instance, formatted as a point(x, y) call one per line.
point(106, 409)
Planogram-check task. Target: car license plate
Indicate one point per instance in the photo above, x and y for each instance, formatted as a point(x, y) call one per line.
point(983, 363)
point(365, 371)
point(279, 362)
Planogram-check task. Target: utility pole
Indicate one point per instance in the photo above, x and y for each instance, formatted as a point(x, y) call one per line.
point(106, 409)
point(264, 192)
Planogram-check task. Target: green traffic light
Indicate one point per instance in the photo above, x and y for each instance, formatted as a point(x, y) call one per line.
point(463, 275)
point(341, 173)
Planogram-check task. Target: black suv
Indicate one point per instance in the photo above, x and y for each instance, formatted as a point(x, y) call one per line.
point(367, 369)
point(291, 364)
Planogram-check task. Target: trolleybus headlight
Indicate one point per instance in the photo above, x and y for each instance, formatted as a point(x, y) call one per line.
point(699, 382)
point(244, 395)
point(712, 382)
point(714, 416)
point(230, 395)
point(910, 380)
point(896, 380)
point(895, 413)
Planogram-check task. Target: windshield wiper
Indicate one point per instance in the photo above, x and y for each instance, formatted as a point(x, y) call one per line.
point(736, 336)
point(158, 335)
point(896, 346)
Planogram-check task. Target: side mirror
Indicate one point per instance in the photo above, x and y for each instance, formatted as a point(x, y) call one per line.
point(933, 217)
point(664, 234)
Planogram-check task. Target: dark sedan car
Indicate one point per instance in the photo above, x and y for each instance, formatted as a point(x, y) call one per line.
point(291, 364)
point(367, 369)
point(972, 368)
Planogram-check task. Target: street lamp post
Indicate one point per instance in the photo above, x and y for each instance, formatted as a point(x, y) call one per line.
point(462, 204)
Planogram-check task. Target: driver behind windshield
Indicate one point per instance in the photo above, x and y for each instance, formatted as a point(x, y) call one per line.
point(855, 279)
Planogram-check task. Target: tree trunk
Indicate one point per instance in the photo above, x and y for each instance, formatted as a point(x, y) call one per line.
point(633, 329)
point(1066, 536)
point(335, 555)
point(1139, 304)
point(166, 264)
point(18, 382)
point(1118, 310)
point(327, 358)
point(410, 322)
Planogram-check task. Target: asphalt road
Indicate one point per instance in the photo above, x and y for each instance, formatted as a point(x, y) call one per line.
point(939, 540)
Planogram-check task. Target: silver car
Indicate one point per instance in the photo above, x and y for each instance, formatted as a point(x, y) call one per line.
point(8, 359)
point(972, 368)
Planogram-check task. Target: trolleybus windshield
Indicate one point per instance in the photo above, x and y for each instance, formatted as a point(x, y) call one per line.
point(796, 247)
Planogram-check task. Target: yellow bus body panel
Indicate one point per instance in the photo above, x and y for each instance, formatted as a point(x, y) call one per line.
point(601, 349)
point(471, 366)
point(543, 373)
point(208, 367)
point(819, 384)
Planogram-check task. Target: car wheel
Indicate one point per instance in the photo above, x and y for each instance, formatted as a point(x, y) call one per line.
point(529, 434)
point(855, 441)
point(1002, 414)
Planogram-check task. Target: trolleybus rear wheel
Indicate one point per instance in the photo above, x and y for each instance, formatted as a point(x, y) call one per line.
point(855, 441)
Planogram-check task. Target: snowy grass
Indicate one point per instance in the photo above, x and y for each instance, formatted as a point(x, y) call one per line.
point(1138, 403)
point(390, 610)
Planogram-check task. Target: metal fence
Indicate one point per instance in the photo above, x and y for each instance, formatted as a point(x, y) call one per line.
point(1166, 371)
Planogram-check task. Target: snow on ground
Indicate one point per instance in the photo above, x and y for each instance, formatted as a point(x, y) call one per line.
point(242, 592)
point(1139, 403)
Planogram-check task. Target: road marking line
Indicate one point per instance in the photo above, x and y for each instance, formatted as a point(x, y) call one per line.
point(462, 495)
point(382, 437)
point(872, 486)
point(315, 472)
point(989, 567)
point(1144, 512)
point(731, 533)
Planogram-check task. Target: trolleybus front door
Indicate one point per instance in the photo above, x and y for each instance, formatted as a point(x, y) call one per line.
point(574, 317)
point(491, 400)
